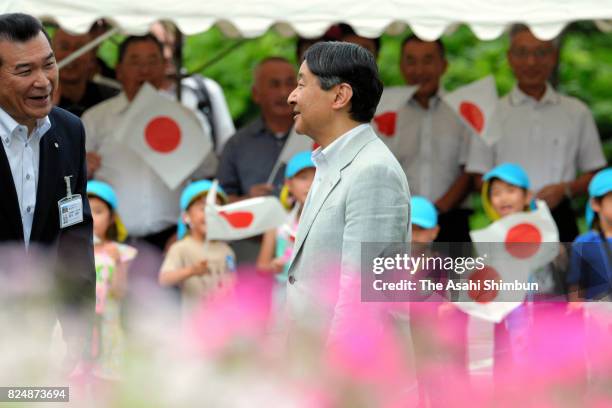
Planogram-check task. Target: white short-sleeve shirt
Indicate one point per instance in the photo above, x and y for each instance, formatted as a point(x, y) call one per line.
point(431, 145)
point(552, 139)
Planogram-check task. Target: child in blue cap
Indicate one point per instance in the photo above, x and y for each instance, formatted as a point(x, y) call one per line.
point(197, 265)
point(434, 315)
point(505, 192)
point(591, 256)
point(112, 260)
point(277, 245)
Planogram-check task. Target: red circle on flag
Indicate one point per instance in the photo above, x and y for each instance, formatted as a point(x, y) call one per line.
point(483, 295)
point(472, 113)
point(386, 122)
point(163, 134)
point(523, 240)
point(238, 219)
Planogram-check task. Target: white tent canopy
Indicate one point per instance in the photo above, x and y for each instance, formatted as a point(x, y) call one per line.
point(310, 18)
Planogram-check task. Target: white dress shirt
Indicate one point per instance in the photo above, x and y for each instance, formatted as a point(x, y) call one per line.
point(23, 153)
point(323, 158)
point(552, 139)
point(146, 204)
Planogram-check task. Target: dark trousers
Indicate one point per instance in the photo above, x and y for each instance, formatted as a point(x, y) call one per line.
point(454, 226)
point(565, 217)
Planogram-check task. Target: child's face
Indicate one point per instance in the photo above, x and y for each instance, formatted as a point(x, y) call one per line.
point(603, 208)
point(102, 216)
point(299, 184)
point(196, 216)
point(508, 199)
point(422, 235)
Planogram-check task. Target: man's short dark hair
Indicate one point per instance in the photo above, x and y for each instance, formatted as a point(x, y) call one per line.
point(339, 62)
point(19, 27)
point(132, 39)
point(413, 37)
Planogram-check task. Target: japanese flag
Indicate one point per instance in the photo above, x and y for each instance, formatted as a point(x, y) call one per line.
point(529, 238)
point(476, 105)
point(167, 135)
point(295, 143)
point(243, 219)
point(391, 101)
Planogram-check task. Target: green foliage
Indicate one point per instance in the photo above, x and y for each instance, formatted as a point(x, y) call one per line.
point(234, 70)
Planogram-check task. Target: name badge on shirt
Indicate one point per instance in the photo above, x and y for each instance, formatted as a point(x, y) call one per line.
point(70, 207)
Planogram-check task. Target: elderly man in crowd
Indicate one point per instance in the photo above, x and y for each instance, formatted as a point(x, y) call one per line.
point(553, 136)
point(77, 91)
point(249, 157)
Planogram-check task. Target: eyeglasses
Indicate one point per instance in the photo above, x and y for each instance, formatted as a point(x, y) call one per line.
point(537, 53)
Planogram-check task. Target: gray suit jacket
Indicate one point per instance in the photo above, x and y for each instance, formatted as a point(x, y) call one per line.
point(364, 198)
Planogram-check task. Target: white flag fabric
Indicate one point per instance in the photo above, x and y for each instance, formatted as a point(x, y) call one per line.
point(476, 105)
point(167, 135)
point(530, 238)
point(242, 219)
point(295, 143)
point(392, 100)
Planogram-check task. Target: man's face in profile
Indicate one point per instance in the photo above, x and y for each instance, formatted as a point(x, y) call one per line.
point(312, 106)
point(142, 62)
point(423, 64)
point(28, 77)
point(532, 60)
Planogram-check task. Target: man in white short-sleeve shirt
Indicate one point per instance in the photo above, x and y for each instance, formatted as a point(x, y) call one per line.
point(431, 143)
point(552, 136)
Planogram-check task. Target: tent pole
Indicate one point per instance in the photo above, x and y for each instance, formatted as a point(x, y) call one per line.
point(178, 62)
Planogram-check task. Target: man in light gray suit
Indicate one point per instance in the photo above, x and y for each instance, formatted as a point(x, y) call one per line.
point(360, 193)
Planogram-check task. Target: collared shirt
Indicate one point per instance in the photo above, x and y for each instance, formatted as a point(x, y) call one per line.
point(324, 159)
point(249, 157)
point(431, 145)
point(146, 204)
point(23, 155)
point(552, 139)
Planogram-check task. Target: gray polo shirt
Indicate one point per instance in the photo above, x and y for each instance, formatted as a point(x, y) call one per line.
point(249, 157)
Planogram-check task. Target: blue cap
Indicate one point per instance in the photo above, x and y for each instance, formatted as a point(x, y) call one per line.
point(189, 194)
point(298, 162)
point(102, 190)
point(510, 173)
point(196, 189)
point(105, 192)
point(423, 213)
point(599, 186)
